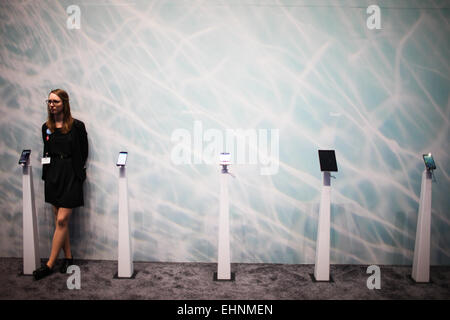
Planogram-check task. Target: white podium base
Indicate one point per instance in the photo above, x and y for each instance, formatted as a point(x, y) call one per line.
point(125, 258)
point(224, 262)
point(322, 263)
point(232, 277)
point(31, 257)
point(421, 263)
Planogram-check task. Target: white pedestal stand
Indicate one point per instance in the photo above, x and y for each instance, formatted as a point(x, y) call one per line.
point(125, 257)
point(322, 263)
point(421, 263)
point(224, 263)
point(31, 257)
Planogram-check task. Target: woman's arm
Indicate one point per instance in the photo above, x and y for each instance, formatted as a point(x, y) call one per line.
point(45, 151)
point(84, 147)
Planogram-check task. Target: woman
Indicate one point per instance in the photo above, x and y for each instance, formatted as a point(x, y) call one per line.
point(65, 154)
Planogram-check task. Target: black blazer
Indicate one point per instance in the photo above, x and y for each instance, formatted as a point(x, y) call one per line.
point(79, 148)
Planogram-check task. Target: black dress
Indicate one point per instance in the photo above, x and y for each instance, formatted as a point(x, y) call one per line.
point(63, 188)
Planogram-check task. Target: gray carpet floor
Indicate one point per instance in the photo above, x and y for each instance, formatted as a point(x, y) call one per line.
point(194, 281)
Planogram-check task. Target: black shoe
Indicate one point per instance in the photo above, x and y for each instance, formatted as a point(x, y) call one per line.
point(65, 264)
point(42, 272)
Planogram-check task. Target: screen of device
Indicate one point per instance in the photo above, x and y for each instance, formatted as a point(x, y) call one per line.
point(327, 160)
point(225, 158)
point(429, 161)
point(122, 158)
point(24, 156)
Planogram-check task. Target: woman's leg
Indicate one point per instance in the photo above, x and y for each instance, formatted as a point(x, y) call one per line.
point(55, 212)
point(66, 246)
point(61, 235)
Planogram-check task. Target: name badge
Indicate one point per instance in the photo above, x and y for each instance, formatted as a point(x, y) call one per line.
point(45, 160)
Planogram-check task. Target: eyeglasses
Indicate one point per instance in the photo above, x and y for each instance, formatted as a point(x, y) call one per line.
point(52, 101)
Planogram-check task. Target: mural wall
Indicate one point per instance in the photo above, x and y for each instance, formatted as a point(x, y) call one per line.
point(176, 82)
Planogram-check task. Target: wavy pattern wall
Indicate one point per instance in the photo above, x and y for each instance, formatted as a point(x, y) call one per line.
point(300, 75)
